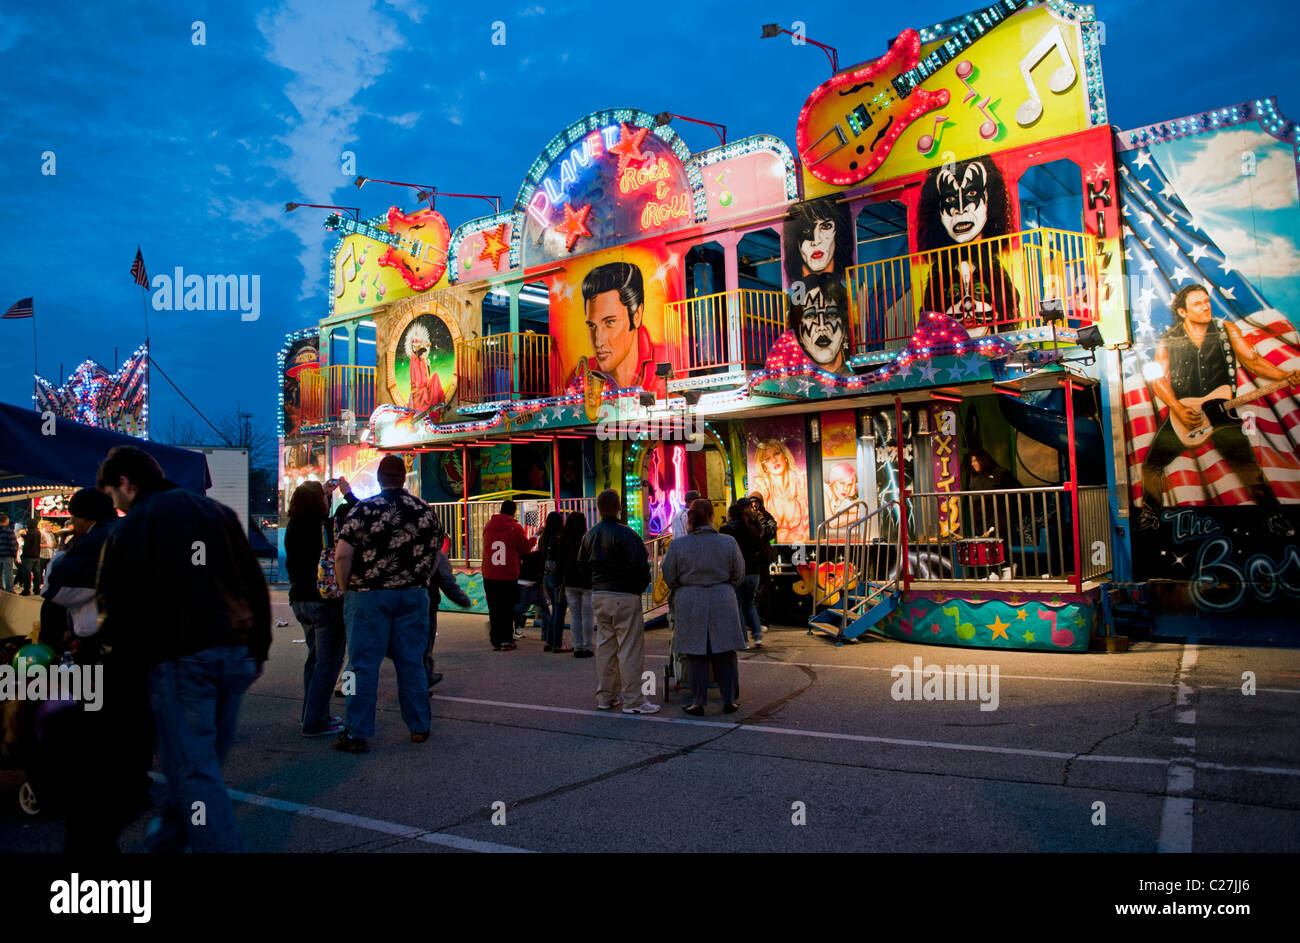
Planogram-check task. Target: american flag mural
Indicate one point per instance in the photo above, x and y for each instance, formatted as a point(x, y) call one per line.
point(1166, 248)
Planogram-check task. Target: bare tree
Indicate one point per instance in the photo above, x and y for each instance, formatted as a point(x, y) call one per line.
point(177, 433)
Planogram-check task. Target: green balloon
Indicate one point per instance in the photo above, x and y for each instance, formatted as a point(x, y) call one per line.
point(34, 654)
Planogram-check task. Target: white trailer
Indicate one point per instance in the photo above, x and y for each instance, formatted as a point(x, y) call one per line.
point(229, 470)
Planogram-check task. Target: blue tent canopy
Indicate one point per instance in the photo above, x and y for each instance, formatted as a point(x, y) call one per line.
point(31, 462)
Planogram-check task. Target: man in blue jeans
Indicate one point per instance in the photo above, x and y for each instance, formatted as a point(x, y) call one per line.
point(383, 559)
point(179, 590)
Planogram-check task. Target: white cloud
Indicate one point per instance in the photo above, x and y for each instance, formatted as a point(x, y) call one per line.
point(334, 50)
point(1212, 180)
point(407, 120)
point(1267, 256)
point(413, 10)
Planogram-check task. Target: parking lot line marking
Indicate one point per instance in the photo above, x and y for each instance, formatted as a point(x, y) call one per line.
point(1177, 822)
point(808, 664)
point(410, 832)
point(863, 738)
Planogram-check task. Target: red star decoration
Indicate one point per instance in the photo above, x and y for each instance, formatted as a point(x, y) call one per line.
point(494, 245)
point(934, 627)
point(628, 147)
point(574, 225)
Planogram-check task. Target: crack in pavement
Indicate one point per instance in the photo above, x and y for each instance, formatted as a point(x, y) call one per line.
point(1137, 719)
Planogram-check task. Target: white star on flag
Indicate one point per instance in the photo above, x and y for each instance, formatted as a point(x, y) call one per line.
point(1174, 248)
point(1168, 190)
point(1146, 296)
point(1180, 273)
point(1148, 244)
point(1145, 218)
point(1227, 269)
point(1143, 159)
point(1148, 264)
point(1228, 293)
point(1198, 252)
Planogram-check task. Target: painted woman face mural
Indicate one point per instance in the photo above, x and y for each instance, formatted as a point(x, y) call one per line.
point(817, 240)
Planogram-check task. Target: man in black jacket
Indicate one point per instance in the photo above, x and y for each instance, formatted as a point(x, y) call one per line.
point(620, 572)
point(746, 530)
point(181, 591)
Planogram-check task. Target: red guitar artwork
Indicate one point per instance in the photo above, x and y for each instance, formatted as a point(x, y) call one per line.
point(850, 122)
point(417, 244)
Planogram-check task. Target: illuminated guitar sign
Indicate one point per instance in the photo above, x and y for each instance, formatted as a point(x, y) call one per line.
point(417, 243)
point(850, 122)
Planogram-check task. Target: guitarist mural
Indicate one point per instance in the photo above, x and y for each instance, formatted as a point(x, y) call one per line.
point(1211, 235)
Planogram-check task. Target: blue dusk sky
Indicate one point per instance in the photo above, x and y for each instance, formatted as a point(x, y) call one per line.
point(191, 151)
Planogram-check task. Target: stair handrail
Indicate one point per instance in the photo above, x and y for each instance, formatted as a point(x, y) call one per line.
point(820, 539)
point(858, 554)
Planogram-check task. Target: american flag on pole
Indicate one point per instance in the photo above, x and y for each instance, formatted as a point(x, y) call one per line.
point(137, 270)
point(1167, 248)
point(20, 309)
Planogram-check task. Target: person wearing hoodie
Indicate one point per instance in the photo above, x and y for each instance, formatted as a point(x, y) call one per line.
point(181, 591)
point(504, 543)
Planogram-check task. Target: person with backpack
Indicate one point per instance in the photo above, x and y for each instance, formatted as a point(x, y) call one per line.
point(575, 583)
point(308, 538)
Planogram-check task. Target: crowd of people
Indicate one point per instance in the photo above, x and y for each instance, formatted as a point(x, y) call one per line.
point(160, 587)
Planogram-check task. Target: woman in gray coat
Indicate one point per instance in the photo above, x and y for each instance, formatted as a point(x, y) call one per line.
point(703, 569)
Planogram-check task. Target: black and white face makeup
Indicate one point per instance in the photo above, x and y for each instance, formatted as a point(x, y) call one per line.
point(964, 204)
point(821, 333)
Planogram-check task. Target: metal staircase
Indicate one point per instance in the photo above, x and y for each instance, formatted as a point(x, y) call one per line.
point(855, 572)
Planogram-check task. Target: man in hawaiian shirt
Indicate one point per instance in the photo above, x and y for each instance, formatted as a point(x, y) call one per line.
point(385, 553)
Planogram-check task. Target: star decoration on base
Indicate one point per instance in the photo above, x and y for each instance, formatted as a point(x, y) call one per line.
point(628, 147)
point(998, 628)
point(574, 225)
point(494, 245)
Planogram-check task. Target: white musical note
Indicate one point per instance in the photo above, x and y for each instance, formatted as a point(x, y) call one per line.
point(1031, 109)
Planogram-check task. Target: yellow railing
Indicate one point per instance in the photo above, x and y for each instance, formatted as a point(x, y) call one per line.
point(726, 329)
point(326, 393)
point(313, 396)
point(504, 366)
point(992, 286)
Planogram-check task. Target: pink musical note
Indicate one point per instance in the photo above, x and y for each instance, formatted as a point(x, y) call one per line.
point(1062, 638)
point(1031, 109)
point(989, 129)
point(925, 143)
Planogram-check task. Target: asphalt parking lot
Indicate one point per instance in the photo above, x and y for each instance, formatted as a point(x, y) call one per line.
point(821, 757)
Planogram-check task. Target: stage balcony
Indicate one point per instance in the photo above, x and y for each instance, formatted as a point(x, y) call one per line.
point(1013, 278)
point(723, 332)
point(504, 367)
point(327, 393)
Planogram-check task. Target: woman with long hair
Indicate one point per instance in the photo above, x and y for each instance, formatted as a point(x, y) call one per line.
point(775, 481)
point(576, 583)
point(308, 534)
point(704, 569)
point(548, 543)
